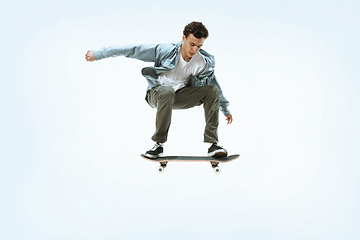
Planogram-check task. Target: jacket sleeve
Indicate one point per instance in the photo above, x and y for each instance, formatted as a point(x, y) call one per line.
point(144, 52)
point(224, 103)
point(208, 77)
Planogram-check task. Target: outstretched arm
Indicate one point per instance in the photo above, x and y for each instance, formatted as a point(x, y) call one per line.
point(144, 52)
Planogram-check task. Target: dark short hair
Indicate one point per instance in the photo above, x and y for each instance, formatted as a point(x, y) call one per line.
point(197, 29)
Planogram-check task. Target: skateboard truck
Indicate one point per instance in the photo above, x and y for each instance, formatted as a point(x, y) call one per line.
point(162, 167)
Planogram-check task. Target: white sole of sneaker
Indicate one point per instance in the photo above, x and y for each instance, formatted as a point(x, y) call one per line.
point(153, 156)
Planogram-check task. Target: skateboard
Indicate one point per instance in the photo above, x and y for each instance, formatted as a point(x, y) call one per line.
point(214, 161)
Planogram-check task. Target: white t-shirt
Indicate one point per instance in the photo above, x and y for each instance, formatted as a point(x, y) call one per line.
point(177, 77)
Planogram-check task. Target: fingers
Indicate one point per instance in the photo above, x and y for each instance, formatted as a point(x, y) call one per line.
point(89, 56)
point(229, 119)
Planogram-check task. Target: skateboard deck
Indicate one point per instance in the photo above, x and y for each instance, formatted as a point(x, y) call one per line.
point(214, 161)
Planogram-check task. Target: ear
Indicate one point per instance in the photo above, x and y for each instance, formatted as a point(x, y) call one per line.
point(183, 38)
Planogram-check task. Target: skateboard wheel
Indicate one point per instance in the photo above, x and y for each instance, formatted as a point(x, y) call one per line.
point(160, 169)
point(217, 170)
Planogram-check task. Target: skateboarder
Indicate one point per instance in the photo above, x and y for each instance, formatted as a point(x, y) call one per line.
point(182, 77)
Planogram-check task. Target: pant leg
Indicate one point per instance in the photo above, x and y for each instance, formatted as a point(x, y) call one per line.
point(165, 99)
point(162, 98)
point(208, 96)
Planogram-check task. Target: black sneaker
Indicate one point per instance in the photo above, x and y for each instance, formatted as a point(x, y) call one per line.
point(217, 151)
point(155, 152)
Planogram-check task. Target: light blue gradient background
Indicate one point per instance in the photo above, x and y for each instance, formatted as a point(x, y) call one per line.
point(72, 132)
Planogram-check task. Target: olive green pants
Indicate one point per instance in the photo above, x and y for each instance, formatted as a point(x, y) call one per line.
point(165, 99)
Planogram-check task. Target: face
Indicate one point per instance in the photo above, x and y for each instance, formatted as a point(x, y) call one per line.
point(191, 45)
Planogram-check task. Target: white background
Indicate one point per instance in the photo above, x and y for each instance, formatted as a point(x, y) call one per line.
point(72, 131)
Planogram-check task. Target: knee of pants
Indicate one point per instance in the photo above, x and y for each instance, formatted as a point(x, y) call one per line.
point(166, 92)
point(212, 90)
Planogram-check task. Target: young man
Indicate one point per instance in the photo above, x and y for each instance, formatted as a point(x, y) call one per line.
point(182, 77)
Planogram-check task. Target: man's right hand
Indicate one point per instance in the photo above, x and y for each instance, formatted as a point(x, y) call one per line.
point(90, 56)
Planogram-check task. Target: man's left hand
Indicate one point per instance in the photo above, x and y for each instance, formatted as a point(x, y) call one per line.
point(229, 119)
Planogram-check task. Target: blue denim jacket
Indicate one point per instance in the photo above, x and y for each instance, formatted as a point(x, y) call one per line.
point(165, 57)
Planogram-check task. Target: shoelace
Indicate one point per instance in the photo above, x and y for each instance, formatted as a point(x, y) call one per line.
point(155, 147)
point(215, 144)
